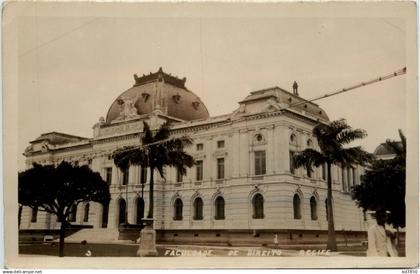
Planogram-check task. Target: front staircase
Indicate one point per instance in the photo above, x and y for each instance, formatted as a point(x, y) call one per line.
point(94, 235)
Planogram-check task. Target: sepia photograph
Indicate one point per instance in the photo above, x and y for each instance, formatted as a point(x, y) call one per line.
point(203, 135)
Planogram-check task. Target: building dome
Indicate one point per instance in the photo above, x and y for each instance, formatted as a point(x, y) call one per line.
point(384, 149)
point(157, 92)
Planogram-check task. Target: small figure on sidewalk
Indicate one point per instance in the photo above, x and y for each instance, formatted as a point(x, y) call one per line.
point(276, 240)
point(381, 242)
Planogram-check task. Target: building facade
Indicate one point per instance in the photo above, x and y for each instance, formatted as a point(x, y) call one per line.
point(243, 185)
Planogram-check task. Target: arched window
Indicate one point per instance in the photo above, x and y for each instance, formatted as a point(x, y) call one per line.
point(139, 210)
point(73, 213)
point(198, 209)
point(258, 206)
point(219, 205)
point(314, 210)
point(178, 209)
point(86, 213)
point(34, 214)
point(296, 207)
point(121, 213)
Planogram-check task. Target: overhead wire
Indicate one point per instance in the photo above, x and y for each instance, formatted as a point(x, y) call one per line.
point(58, 37)
point(361, 84)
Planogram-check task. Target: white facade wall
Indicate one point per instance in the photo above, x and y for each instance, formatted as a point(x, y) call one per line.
point(277, 185)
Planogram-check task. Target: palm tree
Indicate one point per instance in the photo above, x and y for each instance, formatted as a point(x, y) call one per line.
point(383, 185)
point(332, 139)
point(157, 150)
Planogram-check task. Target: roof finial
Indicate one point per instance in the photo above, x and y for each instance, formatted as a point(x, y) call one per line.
point(295, 88)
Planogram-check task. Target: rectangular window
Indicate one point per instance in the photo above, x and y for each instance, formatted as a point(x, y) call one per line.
point(291, 162)
point(108, 175)
point(178, 176)
point(199, 170)
point(259, 162)
point(125, 174)
point(220, 144)
point(199, 147)
point(143, 175)
point(220, 168)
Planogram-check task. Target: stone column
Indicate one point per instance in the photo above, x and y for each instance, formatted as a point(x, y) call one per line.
point(208, 166)
point(115, 177)
point(244, 153)
point(131, 207)
point(236, 140)
point(283, 149)
point(113, 213)
point(270, 151)
point(97, 210)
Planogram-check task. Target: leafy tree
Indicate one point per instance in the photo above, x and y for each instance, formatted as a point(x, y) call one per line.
point(332, 139)
point(58, 191)
point(383, 184)
point(156, 152)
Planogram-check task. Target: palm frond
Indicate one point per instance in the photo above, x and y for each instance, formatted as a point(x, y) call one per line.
point(178, 143)
point(138, 157)
point(395, 147)
point(327, 136)
point(161, 170)
point(348, 135)
point(338, 126)
point(354, 155)
point(122, 156)
point(180, 160)
point(163, 132)
point(308, 158)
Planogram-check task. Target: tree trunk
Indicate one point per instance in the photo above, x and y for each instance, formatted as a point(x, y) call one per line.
point(150, 215)
point(62, 234)
point(332, 243)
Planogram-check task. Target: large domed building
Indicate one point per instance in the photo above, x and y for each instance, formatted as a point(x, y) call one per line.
point(160, 92)
point(243, 187)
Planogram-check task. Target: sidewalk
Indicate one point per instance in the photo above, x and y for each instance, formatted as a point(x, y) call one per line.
point(124, 249)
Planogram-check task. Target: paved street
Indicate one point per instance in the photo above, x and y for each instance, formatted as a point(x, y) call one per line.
point(168, 250)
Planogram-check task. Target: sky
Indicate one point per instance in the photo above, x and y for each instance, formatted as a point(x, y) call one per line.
point(70, 70)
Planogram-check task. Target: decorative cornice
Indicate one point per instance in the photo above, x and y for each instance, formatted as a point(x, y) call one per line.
point(160, 76)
